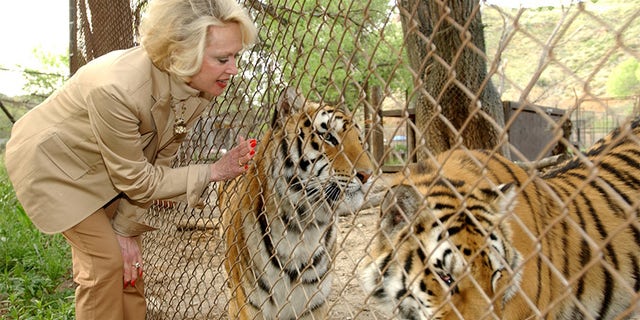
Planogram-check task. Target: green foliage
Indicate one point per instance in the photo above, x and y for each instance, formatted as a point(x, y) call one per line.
point(625, 79)
point(32, 265)
point(51, 74)
point(334, 49)
point(17, 107)
point(580, 56)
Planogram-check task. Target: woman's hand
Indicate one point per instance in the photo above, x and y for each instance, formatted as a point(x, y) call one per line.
point(234, 162)
point(132, 258)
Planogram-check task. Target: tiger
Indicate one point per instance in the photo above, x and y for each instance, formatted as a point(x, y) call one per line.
point(279, 220)
point(469, 234)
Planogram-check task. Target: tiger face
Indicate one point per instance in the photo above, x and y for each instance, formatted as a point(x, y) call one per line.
point(439, 255)
point(471, 235)
point(320, 158)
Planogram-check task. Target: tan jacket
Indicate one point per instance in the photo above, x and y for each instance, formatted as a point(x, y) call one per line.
point(106, 134)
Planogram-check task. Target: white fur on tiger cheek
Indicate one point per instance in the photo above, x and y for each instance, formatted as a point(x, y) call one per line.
point(330, 121)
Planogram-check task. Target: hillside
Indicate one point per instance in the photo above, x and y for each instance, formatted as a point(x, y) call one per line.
point(584, 46)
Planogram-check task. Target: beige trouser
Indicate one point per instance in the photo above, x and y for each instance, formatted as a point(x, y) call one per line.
point(98, 271)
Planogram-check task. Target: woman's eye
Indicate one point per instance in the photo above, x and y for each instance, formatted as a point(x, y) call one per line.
point(224, 60)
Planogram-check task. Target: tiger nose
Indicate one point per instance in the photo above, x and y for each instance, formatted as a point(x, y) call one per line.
point(363, 176)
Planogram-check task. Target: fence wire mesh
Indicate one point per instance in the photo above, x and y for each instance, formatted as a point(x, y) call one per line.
point(552, 71)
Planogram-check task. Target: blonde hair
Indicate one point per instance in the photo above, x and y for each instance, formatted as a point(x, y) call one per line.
point(174, 32)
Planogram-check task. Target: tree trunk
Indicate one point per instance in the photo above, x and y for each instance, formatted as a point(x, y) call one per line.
point(455, 101)
point(99, 27)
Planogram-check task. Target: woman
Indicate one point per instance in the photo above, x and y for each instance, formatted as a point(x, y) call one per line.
point(90, 159)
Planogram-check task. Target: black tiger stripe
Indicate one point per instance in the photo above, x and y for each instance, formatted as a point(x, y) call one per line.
point(607, 291)
point(505, 166)
point(443, 206)
point(266, 238)
point(443, 194)
point(635, 270)
point(599, 191)
point(304, 164)
point(299, 147)
point(384, 267)
point(254, 305)
point(264, 286)
point(294, 182)
point(329, 137)
point(421, 255)
point(401, 294)
point(322, 168)
point(569, 166)
point(301, 210)
point(602, 232)
point(290, 224)
point(565, 234)
point(453, 231)
point(633, 164)
point(380, 293)
point(447, 183)
point(585, 257)
point(314, 264)
point(329, 233)
point(619, 176)
point(489, 193)
point(442, 220)
point(408, 264)
point(546, 242)
point(294, 272)
point(323, 125)
point(284, 153)
point(635, 231)
point(613, 207)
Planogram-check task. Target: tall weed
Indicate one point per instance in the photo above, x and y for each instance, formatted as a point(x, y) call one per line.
point(35, 269)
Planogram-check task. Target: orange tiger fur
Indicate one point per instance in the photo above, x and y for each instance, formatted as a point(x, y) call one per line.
point(471, 235)
point(279, 219)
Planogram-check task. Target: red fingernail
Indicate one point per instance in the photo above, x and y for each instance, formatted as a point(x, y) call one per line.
point(253, 143)
point(246, 167)
point(252, 152)
point(133, 283)
point(126, 284)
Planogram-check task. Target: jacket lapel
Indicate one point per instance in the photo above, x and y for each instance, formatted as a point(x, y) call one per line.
point(159, 111)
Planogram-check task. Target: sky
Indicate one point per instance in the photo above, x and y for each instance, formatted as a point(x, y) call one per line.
point(27, 24)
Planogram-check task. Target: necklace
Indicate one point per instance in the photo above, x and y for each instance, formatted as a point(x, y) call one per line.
point(179, 125)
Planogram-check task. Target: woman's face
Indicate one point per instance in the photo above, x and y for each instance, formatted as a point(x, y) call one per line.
point(219, 62)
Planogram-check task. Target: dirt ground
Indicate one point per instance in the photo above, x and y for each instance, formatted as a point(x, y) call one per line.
point(186, 279)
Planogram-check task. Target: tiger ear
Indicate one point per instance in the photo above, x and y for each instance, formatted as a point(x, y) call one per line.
point(399, 206)
point(290, 101)
point(505, 200)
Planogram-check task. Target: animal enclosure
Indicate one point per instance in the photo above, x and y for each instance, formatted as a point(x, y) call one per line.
point(353, 54)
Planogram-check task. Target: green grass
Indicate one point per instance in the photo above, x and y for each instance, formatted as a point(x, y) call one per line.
point(34, 267)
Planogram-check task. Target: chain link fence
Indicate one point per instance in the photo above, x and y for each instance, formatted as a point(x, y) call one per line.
point(553, 68)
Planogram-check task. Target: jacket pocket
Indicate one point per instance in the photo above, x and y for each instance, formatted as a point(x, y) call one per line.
point(63, 157)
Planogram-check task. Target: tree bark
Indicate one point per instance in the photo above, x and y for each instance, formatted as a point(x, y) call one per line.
point(99, 27)
point(455, 101)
